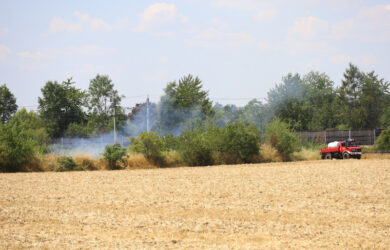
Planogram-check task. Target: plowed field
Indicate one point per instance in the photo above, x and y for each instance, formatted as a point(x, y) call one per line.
point(318, 204)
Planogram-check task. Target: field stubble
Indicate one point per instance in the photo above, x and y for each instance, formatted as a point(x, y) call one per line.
point(317, 204)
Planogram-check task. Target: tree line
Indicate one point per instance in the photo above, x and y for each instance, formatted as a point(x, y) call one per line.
point(309, 102)
point(298, 103)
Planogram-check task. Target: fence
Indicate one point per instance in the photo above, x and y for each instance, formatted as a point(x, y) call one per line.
point(364, 137)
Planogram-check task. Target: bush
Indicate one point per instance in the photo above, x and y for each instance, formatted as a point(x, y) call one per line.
point(239, 143)
point(280, 137)
point(383, 141)
point(150, 145)
point(113, 154)
point(22, 139)
point(207, 145)
point(66, 163)
point(195, 149)
point(169, 142)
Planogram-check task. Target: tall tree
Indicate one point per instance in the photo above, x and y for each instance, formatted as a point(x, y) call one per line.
point(183, 101)
point(385, 118)
point(286, 102)
point(60, 105)
point(374, 97)
point(348, 98)
point(101, 95)
point(362, 98)
point(257, 113)
point(227, 114)
point(8, 105)
point(101, 100)
point(351, 84)
point(319, 97)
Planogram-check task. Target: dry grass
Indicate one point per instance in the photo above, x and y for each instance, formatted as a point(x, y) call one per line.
point(34, 165)
point(173, 159)
point(48, 162)
point(307, 155)
point(89, 162)
point(318, 204)
point(377, 156)
point(269, 154)
point(138, 161)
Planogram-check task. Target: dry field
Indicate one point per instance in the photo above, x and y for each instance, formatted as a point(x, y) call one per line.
point(317, 204)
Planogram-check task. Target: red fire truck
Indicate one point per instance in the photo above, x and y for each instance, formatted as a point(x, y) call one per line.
point(342, 150)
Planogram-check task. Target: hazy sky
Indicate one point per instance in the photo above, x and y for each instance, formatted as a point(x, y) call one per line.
point(239, 49)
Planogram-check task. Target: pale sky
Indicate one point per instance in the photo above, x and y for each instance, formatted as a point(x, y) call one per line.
point(239, 49)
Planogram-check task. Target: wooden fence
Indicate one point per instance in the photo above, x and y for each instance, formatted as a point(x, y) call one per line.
point(363, 137)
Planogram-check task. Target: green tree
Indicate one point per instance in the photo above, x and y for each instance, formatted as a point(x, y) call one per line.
point(256, 113)
point(347, 99)
point(351, 112)
point(101, 94)
point(312, 103)
point(385, 118)
point(227, 114)
point(8, 105)
point(362, 98)
point(351, 84)
point(373, 99)
point(78, 130)
point(101, 100)
point(60, 105)
point(181, 102)
point(320, 101)
point(21, 139)
point(286, 102)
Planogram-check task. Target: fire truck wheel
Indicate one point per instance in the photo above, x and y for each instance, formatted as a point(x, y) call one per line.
point(328, 156)
point(346, 156)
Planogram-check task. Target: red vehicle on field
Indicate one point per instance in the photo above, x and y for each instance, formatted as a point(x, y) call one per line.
point(342, 150)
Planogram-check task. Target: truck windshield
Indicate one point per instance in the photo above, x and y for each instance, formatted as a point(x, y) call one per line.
point(351, 144)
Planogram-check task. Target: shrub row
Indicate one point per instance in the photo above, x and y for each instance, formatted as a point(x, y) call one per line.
point(203, 144)
point(207, 144)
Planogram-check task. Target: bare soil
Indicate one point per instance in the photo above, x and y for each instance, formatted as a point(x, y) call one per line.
point(318, 204)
